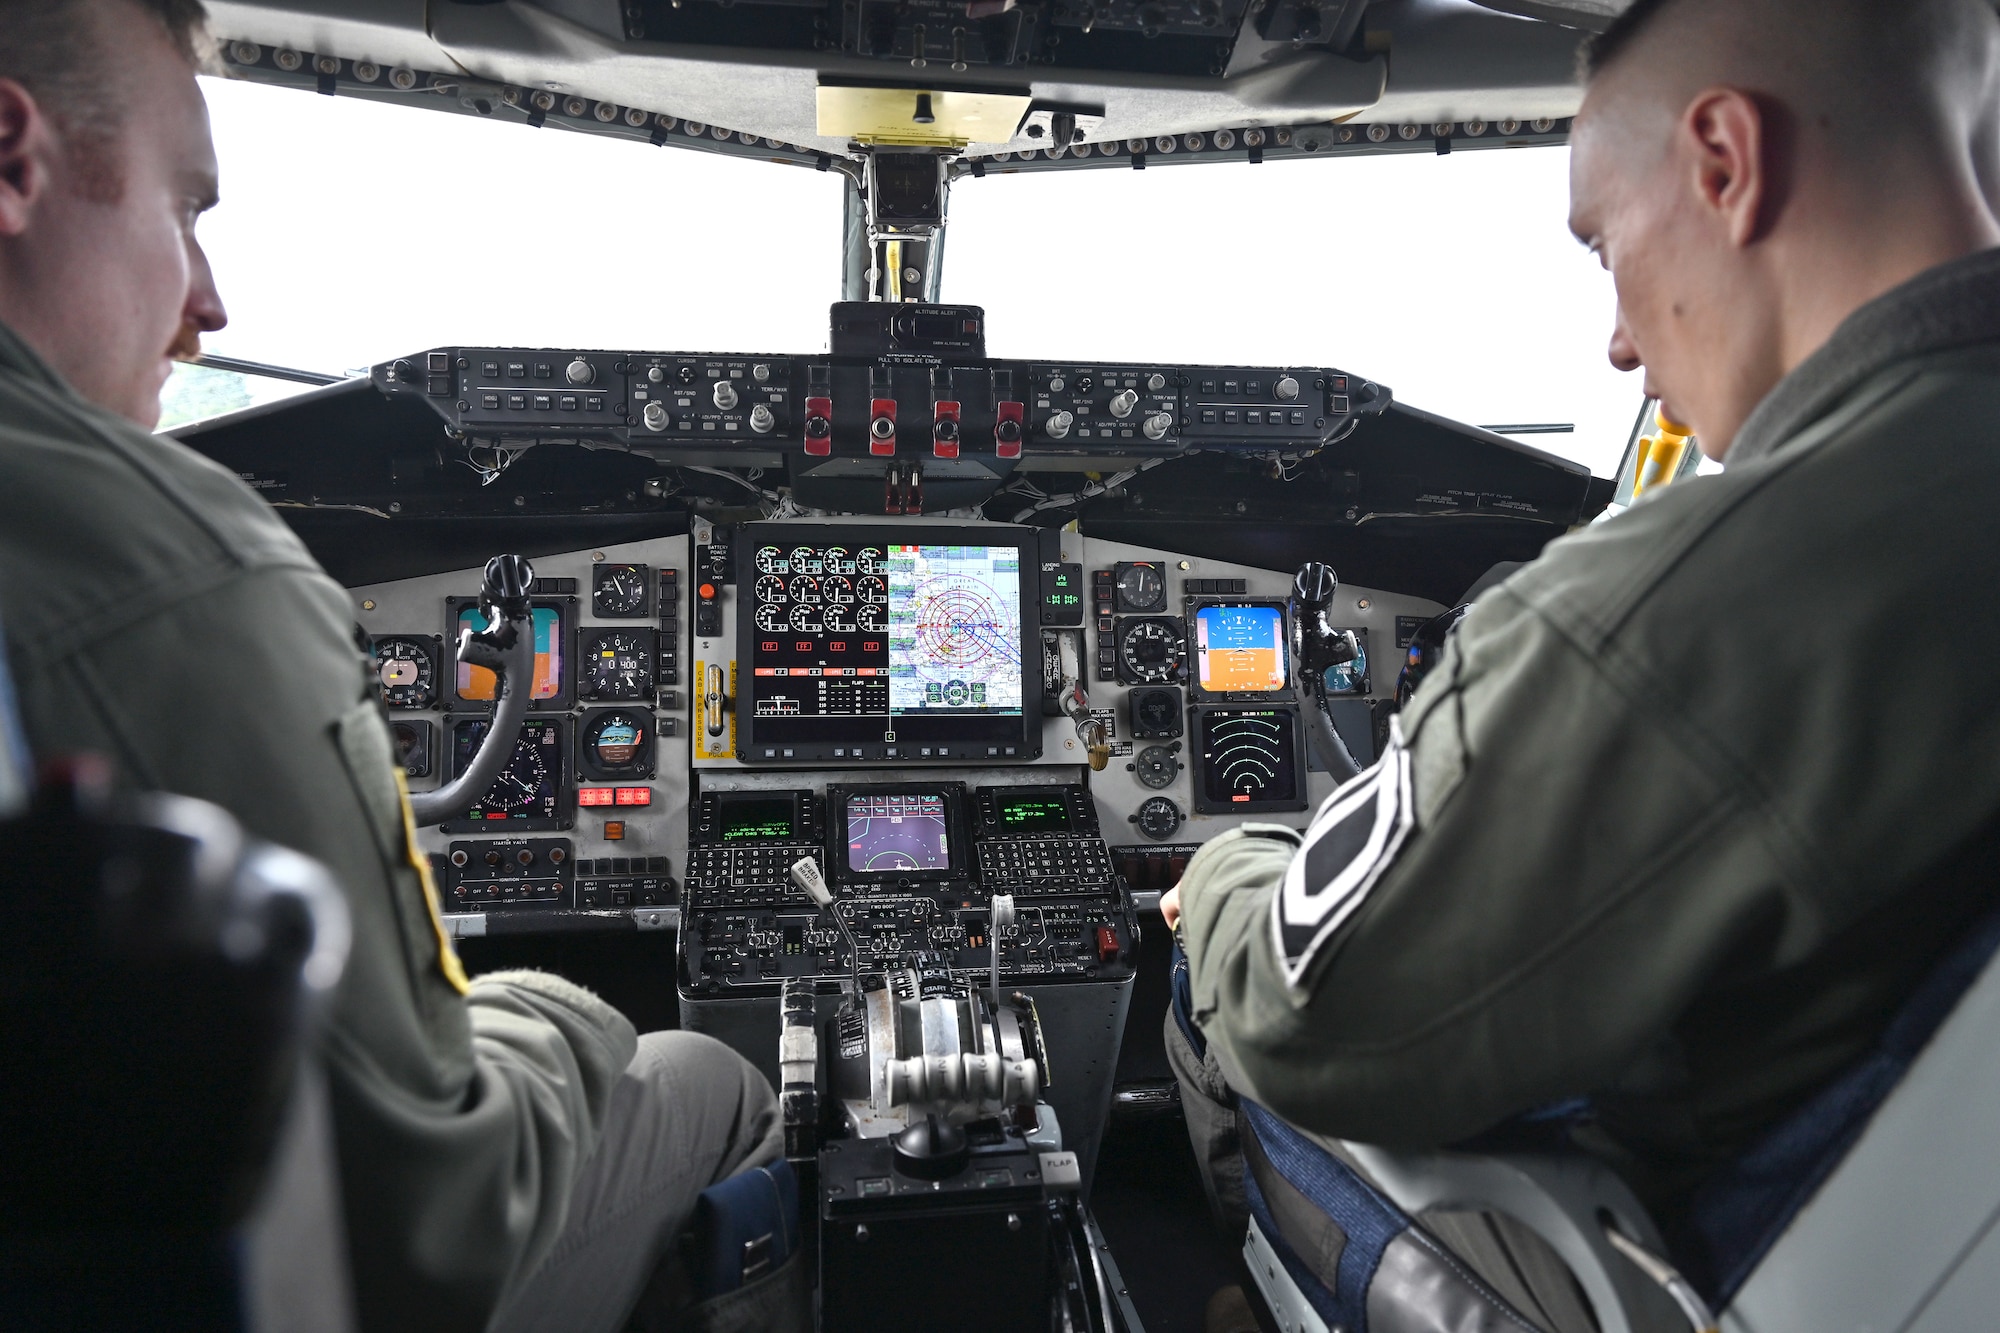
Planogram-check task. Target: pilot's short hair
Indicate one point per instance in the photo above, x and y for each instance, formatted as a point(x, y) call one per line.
point(56, 50)
point(1601, 49)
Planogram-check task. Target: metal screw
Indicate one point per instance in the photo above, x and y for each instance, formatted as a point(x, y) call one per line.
point(520, 502)
point(861, 1232)
point(368, 605)
point(597, 557)
point(395, 506)
point(1363, 604)
point(1013, 1221)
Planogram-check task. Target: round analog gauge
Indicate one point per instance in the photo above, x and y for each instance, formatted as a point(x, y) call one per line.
point(1157, 767)
point(838, 561)
point(1156, 712)
point(1141, 588)
point(836, 589)
point(840, 618)
point(1159, 819)
point(1151, 651)
point(869, 588)
point(770, 588)
point(618, 666)
point(406, 673)
point(804, 589)
point(620, 591)
point(805, 560)
point(616, 742)
point(805, 619)
point(771, 560)
point(868, 560)
point(870, 617)
point(521, 782)
point(770, 618)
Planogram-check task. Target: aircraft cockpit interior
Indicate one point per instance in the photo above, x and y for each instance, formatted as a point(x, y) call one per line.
point(856, 703)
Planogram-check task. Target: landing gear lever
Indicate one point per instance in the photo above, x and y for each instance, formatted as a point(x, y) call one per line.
point(1317, 647)
point(506, 647)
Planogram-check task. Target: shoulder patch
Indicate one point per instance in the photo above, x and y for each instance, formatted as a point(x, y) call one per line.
point(1352, 842)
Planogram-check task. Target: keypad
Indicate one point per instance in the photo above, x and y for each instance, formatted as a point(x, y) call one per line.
point(749, 876)
point(1046, 865)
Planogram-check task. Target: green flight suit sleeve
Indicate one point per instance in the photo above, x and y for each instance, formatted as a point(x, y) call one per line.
point(161, 615)
point(1577, 867)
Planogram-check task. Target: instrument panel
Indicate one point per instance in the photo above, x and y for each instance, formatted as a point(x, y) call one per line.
point(1187, 661)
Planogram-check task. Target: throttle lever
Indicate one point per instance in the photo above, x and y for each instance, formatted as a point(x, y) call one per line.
point(506, 647)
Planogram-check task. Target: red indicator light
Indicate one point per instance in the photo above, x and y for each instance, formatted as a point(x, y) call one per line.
point(595, 796)
point(495, 814)
point(1245, 799)
point(635, 796)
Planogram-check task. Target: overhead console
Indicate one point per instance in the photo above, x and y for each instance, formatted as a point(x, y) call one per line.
point(907, 395)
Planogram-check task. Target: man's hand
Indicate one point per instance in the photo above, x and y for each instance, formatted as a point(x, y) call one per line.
point(1170, 907)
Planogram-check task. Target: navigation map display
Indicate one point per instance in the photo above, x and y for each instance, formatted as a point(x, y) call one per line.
point(897, 643)
point(1251, 760)
point(900, 831)
point(1240, 649)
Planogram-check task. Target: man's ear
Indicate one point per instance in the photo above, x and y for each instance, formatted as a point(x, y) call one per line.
point(25, 141)
point(1729, 135)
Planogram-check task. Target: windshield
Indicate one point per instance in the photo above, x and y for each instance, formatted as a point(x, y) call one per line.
point(1453, 280)
point(353, 232)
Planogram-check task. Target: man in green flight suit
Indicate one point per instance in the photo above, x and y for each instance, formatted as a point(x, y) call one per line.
point(1661, 830)
point(505, 1142)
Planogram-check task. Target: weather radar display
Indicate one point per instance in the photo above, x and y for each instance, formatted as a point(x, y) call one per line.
point(954, 629)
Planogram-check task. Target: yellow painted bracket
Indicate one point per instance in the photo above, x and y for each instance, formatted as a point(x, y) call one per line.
point(713, 701)
point(919, 117)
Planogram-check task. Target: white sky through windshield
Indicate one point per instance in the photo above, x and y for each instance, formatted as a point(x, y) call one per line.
point(351, 232)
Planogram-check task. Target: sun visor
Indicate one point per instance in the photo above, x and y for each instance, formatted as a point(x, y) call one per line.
point(919, 117)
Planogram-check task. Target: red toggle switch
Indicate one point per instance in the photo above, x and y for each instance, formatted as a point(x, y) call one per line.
point(882, 429)
point(1007, 429)
point(819, 427)
point(1107, 943)
point(944, 434)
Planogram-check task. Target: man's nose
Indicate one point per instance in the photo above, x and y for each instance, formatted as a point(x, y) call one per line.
point(204, 310)
point(1624, 352)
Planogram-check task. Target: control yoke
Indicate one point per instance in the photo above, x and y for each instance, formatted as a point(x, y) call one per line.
point(506, 647)
point(1316, 647)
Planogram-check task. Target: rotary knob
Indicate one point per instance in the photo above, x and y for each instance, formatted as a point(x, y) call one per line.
point(1123, 402)
point(655, 375)
point(1157, 425)
point(1058, 425)
point(656, 416)
point(1156, 382)
point(580, 371)
point(817, 427)
point(725, 395)
point(1287, 389)
point(761, 419)
point(761, 373)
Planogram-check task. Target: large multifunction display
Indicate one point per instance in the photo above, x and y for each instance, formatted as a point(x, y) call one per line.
point(889, 644)
point(913, 867)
